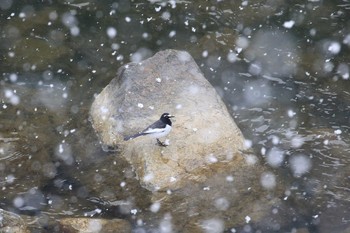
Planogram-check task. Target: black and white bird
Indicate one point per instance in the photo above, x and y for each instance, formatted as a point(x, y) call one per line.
point(158, 129)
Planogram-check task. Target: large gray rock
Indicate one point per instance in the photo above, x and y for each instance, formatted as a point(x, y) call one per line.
point(204, 139)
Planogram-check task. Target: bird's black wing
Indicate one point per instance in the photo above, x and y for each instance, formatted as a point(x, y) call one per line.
point(156, 127)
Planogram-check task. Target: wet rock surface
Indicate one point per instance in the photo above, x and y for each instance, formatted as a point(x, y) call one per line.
point(93, 225)
point(10, 222)
point(204, 139)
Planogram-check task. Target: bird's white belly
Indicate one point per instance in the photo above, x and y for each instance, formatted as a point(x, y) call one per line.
point(158, 133)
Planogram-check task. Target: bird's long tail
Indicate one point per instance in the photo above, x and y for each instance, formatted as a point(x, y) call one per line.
point(133, 136)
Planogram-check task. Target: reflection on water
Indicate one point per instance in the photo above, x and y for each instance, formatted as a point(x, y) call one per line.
point(280, 68)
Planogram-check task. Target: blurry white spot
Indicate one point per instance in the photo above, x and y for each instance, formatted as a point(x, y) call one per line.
point(157, 9)
point(13, 77)
point(347, 40)
point(133, 211)
point(343, 70)
point(207, 188)
point(213, 225)
point(337, 131)
point(291, 113)
point(263, 151)
point(12, 97)
point(155, 207)
point(140, 105)
point(275, 140)
point(289, 24)
point(193, 29)
point(268, 180)
point(275, 50)
point(297, 141)
point(251, 159)
point(5, 5)
point(222, 203)
point(166, 142)
point(193, 89)
point(275, 211)
point(334, 47)
point(18, 202)
point(74, 31)
point(139, 222)
point(205, 53)
point(194, 129)
point(184, 57)
point(231, 57)
point(63, 151)
point(178, 106)
point(287, 192)
point(120, 57)
point(172, 34)
point(242, 42)
point(254, 68)
point(158, 80)
point(172, 179)
point(248, 144)
point(166, 15)
point(326, 142)
point(151, 107)
point(69, 20)
point(328, 66)
point(127, 19)
point(165, 225)
point(94, 225)
point(229, 178)
point(247, 219)
point(211, 159)
point(111, 32)
point(122, 184)
point(275, 157)
point(140, 54)
point(148, 177)
point(300, 164)
point(60, 150)
point(313, 32)
point(10, 179)
point(244, 3)
point(53, 15)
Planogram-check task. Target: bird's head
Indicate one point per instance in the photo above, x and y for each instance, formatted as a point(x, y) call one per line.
point(166, 116)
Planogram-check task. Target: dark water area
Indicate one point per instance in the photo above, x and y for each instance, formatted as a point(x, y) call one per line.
point(281, 67)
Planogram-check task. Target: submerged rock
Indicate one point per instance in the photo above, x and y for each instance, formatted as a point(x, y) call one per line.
point(10, 222)
point(93, 225)
point(205, 140)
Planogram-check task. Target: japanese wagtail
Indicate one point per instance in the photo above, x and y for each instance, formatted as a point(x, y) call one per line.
point(158, 129)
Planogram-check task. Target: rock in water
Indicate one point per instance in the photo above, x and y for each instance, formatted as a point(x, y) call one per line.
point(204, 139)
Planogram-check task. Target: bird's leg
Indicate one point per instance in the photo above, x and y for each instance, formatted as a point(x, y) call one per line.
point(161, 143)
